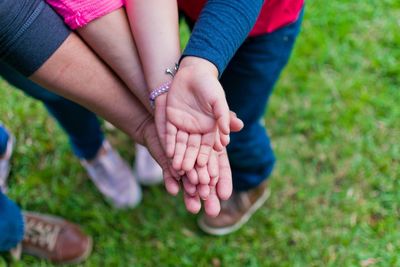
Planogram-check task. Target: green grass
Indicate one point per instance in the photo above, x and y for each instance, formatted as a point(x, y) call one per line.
point(334, 122)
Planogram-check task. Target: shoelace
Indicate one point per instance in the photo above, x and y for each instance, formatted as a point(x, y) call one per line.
point(41, 234)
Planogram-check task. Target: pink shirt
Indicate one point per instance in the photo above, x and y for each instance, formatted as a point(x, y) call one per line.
point(78, 13)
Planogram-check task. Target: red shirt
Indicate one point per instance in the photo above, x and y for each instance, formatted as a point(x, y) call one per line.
point(274, 13)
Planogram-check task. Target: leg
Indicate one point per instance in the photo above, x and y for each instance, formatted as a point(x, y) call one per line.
point(3, 140)
point(6, 150)
point(248, 81)
point(11, 224)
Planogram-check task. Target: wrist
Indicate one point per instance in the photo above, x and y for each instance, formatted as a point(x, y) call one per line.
point(162, 76)
point(157, 92)
point(160, 101)
point(199, 63)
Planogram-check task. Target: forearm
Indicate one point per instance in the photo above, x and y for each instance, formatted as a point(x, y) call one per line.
point(110, 37)
point(155, 29)
point(221, 29)
point(76, 73)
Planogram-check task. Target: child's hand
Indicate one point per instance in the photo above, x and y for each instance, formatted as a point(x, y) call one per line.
point(196, 104)
point(196, 101)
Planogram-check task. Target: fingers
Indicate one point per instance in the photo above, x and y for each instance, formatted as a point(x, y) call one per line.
point(222, 115)
point(204, 177)
point(218, 145)
point(192, 151)
point(214, 181)
point(236, 124)
point(170, 139)
point(224, 185)
point(192, 176)
point(160, 120)
point(174, 173)
point(224, 138)
point(211, 176)
point(212, 165)
point(171, 184)
point(207, 143)
point(192, 203)
point(189, 188)
point(212, 205)
point(180, 149)
point(204, 191)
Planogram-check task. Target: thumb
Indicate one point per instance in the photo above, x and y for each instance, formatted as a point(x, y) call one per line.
point(221, 114)
point(236, 124)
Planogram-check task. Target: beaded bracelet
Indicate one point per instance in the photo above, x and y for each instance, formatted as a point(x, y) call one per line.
point(158, 91)
point(164, 87)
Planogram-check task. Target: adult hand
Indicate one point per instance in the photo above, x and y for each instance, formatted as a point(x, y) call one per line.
point(220, 188)
point(146, 134)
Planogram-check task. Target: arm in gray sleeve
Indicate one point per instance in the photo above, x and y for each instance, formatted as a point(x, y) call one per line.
point(30, 32)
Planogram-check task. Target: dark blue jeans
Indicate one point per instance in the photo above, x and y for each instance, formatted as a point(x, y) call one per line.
point(81, 125)
point(3, 140)
point(248, 82)
point(11, 224)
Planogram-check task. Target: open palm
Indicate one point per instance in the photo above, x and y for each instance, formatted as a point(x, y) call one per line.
point(196, 103)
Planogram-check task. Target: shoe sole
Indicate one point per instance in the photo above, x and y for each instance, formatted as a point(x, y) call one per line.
point(55, 219)
point(246, 217)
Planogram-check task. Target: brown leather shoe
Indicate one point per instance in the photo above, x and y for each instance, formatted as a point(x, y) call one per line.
point(55, 239)
point(235, 212)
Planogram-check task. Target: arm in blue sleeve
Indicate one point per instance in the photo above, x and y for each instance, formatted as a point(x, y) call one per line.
point(222, 27)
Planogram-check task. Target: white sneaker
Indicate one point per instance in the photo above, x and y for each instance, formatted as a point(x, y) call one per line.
point(114, 178)
point(5, 164)
point(147, 170)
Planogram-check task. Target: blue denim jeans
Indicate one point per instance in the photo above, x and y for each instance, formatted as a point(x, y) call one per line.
point(3, 140)
point(81, 125)
point(11, 224)
point(248, 82)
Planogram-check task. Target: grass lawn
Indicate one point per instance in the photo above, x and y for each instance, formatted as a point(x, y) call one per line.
point(335, 124)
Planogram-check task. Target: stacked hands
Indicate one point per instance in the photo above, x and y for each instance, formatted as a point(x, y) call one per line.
point(193, 123)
